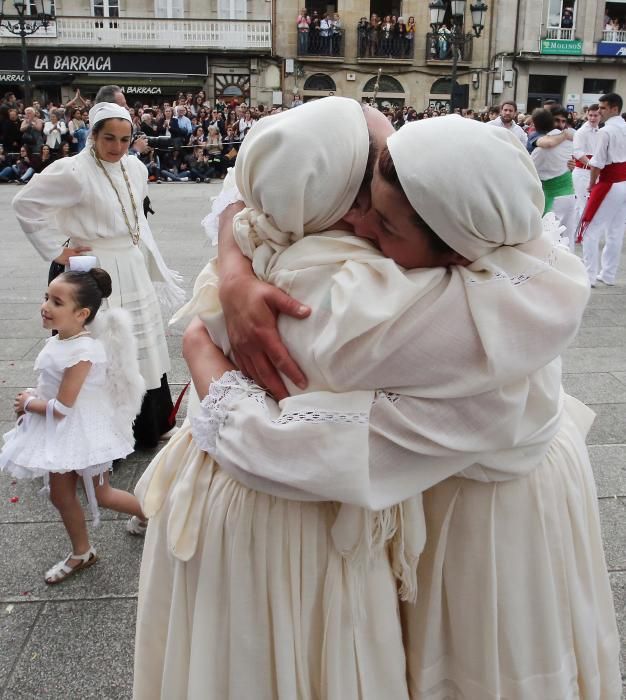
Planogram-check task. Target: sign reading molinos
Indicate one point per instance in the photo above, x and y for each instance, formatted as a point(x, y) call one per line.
point(105, 62)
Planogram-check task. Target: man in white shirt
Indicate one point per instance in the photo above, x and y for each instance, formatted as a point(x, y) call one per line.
point(551, 151)
point(506, 120)
point(585, 143)
point(606, 207)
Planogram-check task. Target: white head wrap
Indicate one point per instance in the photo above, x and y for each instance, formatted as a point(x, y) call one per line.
point(298, 172)
point(477, 188)
point(107, 110)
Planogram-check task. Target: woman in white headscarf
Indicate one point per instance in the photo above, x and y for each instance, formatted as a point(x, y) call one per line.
point(251, 590)
point(513, 598)
point(95, 200)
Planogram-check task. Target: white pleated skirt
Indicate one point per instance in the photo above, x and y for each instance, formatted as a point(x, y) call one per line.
point(514, 601)
point(244, 596)
point(133, 290)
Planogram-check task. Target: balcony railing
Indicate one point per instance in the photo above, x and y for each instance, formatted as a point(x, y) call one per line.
point(439, 47)
point(371, 44)
point(614, 36)
point(313, 44)
point(113, 32)
point(559, 33)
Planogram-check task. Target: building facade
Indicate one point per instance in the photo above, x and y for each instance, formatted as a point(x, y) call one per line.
point(148, 47)
point(568, 50)
point(529, 50)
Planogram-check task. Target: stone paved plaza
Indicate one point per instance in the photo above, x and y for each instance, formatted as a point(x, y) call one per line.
point(75, 641)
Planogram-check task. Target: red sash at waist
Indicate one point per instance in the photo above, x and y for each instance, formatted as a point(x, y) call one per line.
point(584, 166)
point(614, 172)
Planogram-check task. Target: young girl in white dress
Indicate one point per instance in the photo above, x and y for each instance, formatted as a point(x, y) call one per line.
point(79, 417)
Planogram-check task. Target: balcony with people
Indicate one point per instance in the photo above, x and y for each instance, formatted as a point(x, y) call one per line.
point(388, 39)
point(614, 28)
point(320, 35)
point(440, 47)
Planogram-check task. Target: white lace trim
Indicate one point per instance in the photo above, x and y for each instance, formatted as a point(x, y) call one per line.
point(522, 277)
point(387, 396)
point(210, 223)
point(232, 386)
point(229, 387)
point(322, 417)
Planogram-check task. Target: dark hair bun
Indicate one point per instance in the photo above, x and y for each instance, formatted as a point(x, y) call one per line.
point(103, 280)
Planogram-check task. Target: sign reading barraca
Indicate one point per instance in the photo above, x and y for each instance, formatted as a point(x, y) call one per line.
point(106, 62)
point(100, 64)
point(570, 47)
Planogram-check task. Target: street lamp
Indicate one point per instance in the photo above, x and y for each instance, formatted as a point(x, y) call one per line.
point(24, 24)
point(458, 37)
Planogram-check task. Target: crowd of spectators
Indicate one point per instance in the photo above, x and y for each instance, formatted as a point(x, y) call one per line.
point(398, 116)
point(319, 34)
point(188, 139)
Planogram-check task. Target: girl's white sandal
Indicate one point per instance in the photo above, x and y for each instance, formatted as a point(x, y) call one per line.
point(61, 571)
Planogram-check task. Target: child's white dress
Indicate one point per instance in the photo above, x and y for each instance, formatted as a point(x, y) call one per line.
point(85, 441)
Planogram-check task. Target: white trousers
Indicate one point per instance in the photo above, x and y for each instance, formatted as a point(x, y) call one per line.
point(581, 176)
point(608, 220)
point(564, 209)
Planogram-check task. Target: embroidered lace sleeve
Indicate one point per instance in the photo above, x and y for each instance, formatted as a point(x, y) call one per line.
point(230, 387)
point(229, 194)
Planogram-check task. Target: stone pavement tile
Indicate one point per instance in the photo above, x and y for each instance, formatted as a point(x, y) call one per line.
point(16, 348)
point(613, 517)
point(22, 312)
point(595, 387)
point(608, 427)
point(618, 585)
point(597, 336)
point(609, 469)
point(620, 376)
point(17, 373)
point(606, 359)
point(16, 621)
point(20, 328)
point(78, 649)
point(601, 317)
point(35, 507)
point(35, 547)
point(35, 350)
point(610, 300)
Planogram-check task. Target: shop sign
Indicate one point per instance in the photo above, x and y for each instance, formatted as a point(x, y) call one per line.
point(107, 62)
point(11, 77)
point(569, 47)
point(610, 48)
point(142, 90)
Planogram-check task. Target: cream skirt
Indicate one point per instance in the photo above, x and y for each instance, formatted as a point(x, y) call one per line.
point(243, 595)
point(133, 290)
point(514, 600)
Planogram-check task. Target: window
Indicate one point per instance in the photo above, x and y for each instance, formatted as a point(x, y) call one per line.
point(544, 87)
point(385, 84)
point(382, 8)
point(614, 28)
point(598, 86)
point(231, 9)
point(34, 8)
point(106, 8)
point(561, 19)
point(319, 81)
point(174, 9)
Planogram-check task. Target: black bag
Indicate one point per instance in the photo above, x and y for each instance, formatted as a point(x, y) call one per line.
point(56, 268)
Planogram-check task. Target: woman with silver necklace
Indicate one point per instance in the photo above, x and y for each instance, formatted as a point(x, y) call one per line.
point(95, 200)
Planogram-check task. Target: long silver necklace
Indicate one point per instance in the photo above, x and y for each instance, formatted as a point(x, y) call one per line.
point(132, 232)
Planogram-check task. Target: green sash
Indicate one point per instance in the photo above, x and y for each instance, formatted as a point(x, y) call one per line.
point(559, 186)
